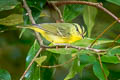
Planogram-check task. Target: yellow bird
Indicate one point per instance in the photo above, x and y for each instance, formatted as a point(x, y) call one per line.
point(59, 33)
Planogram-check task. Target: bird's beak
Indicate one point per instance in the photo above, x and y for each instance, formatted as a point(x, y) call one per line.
point(82, 36)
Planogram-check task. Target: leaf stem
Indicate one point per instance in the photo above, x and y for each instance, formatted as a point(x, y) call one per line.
point(102, 67)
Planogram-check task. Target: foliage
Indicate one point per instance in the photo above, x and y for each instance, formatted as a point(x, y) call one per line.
point(13, 14)
point(4, 75)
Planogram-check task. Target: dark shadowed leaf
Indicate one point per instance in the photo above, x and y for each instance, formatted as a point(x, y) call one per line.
point(8, 4)
point(85, 59)
point(71, 12)
point(74, 69)
point(12, 20)
point(36, 7)
point(11, 17)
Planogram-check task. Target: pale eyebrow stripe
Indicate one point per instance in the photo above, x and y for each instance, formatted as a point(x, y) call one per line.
point(76, 28)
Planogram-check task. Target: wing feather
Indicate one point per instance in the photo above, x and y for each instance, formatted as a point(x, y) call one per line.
point(59, 29)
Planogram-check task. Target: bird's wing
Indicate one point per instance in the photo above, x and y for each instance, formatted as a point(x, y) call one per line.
point(58, 29)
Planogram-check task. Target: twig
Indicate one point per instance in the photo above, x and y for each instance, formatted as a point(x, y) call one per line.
point(115, 40)
point(113, 45)
point(31, 63)
point(59, 65)
point(102, 33)
point(102, 67)
point(59, 12)
point(33, 21)
point(118, 57)
point(97, 5)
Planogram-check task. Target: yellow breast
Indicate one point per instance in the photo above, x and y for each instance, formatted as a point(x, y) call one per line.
point(57, 39)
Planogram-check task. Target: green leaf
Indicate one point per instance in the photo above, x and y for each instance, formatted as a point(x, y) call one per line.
point(4, 75)
point(74, 69)
point(37, 73)
point(63, 58)
point(40, 60)
point(110, 59)
point(38, 4)
point(8, 4)
point(83, 42)
point(11, 20)
point(21, 33)
point(34, 71)
point(115, 50)
point(117, 2)
point(85, 59)
point(71, 12)
point(89, 15)
point(47, 73)
point(98, 71)
point(105, 44)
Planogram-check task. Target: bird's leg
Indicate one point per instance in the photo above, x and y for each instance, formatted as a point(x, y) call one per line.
point(57, 47)
point(66, 46)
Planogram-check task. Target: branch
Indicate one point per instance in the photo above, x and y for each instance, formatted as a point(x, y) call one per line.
point(36, 34)
point(97, 5)
point(75, 47)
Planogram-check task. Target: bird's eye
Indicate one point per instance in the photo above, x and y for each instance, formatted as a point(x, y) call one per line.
point(77, 29)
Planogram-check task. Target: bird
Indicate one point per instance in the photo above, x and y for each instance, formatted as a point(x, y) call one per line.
point(59, 33)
